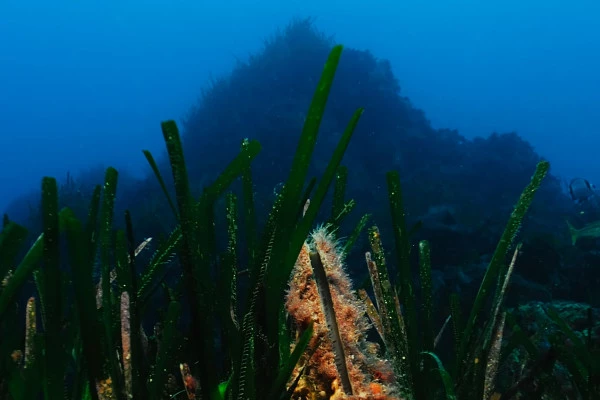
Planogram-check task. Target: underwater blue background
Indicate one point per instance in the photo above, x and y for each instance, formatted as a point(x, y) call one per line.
point(87, 83)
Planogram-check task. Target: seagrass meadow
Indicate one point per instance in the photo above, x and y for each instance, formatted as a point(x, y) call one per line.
point(288, 325)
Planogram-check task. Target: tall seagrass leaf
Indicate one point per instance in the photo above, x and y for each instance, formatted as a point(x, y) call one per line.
point(247, 371)
point(256, 271)
point(498, 258)
point(394, 334)
point(54, 352)
point(426, 293)
point(228, 282)
point(156, 268)
point(28, 264)
point(161, 181)
point(40, 286)
point(332, 325)
point(493, 358)
point(406, 295)
point(301, 232)
point(356, 233)
point(286, 371)
point(106, 248)
point(426, 307)
point(91, 227)
point(196, 275)
point(446, 378)
point(81, 263)
point(249, 211)
point(122, 259)
point(244, 369)
point(291, 196)
point(503, 280)
point(339, 191)
point(205, 207)
point(284, 338)
point(28, 383)
point(128, 269)
point(164, 357)
point(234, 169)
point(371, 312)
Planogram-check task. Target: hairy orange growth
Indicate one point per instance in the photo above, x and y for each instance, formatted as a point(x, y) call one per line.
point(105, 389)
point(370, 376)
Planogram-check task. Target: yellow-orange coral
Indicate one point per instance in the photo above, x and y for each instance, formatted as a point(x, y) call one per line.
point(370, 376)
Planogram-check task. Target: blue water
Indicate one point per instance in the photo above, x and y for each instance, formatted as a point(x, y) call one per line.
point(84, 84)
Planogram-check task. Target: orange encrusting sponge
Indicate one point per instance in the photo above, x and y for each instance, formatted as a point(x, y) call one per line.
point(371, 377)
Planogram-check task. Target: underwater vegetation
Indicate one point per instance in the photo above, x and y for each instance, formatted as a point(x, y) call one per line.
point(289, 324)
